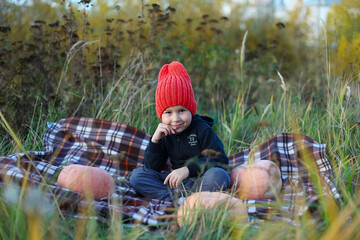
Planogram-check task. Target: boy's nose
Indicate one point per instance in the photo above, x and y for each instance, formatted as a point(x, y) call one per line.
point(176, 117)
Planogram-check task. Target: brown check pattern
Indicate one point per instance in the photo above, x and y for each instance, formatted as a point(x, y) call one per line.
point(119, 149)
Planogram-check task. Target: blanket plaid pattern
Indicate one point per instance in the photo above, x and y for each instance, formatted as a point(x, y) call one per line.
point(119, 149)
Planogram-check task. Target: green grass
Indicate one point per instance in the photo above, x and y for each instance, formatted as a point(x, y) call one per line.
point(253, 95)
point(239, 127)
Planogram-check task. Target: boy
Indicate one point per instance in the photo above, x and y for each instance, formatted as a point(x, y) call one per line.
point(181, 136)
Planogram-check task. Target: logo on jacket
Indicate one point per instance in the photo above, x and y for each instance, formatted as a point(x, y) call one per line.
point(192, 139)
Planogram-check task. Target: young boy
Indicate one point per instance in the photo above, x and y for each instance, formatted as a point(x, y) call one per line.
point(181, 136)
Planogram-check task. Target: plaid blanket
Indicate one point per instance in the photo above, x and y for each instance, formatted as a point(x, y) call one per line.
point(119, 149)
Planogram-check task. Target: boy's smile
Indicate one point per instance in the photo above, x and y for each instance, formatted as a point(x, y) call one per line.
point(178, 117)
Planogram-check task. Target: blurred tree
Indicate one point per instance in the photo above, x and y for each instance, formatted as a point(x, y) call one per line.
point(343, 28)
point(38, 39)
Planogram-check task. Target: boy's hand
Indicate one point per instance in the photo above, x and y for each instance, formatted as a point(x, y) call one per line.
point(176, 177)
point(161, 131)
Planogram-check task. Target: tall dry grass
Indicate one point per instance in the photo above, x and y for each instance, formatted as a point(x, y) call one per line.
point(239, 128)
point(109, 79)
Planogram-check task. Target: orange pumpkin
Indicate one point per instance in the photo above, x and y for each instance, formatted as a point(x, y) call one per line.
point(211, 200)
point(256, 180)
point(90, 181)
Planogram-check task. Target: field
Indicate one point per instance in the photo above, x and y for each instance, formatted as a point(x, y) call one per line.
point(256, 76)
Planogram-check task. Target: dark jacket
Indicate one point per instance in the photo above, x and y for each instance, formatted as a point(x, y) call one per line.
point(185, 149)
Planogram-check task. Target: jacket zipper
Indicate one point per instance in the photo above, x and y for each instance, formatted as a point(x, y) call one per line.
point(178, 145)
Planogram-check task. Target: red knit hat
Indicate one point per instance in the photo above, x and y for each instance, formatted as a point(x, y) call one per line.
point(174, 88)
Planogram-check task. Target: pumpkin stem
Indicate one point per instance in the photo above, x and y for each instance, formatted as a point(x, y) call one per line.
point(251, 158)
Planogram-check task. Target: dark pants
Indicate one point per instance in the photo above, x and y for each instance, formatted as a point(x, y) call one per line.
point(150, 183)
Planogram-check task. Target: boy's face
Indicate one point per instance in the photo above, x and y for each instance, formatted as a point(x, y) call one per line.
point(178, 117)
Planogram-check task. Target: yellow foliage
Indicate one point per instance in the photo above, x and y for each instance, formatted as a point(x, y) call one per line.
point(343, 34)
point(347, 57)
